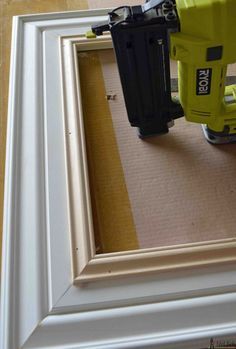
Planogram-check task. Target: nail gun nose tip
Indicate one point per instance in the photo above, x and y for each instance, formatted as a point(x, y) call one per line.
point(170, 16)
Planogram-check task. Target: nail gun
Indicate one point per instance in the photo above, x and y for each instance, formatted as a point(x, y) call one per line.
point(201, 36)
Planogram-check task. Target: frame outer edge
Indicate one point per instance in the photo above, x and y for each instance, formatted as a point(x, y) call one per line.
point(17, 322)
point(9, 217)
point(145, 326)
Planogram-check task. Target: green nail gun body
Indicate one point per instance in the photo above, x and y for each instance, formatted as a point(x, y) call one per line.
point(201, 36)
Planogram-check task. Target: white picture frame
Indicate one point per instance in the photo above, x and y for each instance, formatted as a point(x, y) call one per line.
point(44, 303)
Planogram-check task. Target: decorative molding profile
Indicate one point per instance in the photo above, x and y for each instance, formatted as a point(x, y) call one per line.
point(49, 297)
point(88, 265)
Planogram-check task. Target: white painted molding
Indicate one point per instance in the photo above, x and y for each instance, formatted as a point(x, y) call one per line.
point(41, 307)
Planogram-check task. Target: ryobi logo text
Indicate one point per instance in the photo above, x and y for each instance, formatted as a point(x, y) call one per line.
point(204, 81)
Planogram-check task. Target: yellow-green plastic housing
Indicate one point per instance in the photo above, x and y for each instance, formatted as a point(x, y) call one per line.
point(206, 24)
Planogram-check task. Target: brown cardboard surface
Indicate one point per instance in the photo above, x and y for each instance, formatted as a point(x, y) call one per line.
point(181, 188)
